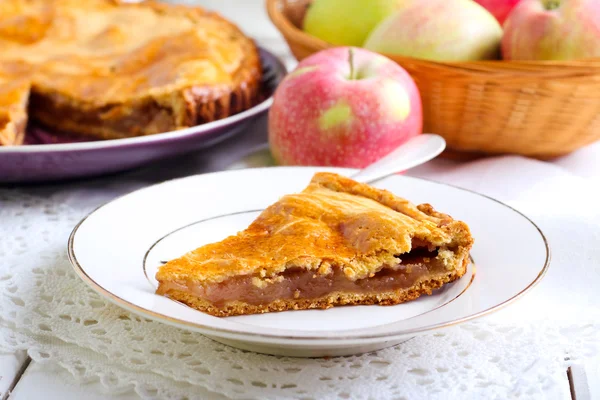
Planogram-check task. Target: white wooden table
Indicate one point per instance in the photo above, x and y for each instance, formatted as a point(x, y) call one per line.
point(22, 379)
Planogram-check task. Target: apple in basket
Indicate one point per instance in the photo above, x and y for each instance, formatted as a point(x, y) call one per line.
point(552, 30)
point(438, 30)
point(346, 22)
point(499, 8)
point(343, 107)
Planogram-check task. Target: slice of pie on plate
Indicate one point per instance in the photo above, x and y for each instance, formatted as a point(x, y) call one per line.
point(339, 242)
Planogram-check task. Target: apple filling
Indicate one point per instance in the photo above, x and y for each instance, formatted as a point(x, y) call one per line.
point(300, 283)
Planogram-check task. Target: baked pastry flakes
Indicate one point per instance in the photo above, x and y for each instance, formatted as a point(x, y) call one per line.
point(14, 95)
point(338, 242)
point(106, 69)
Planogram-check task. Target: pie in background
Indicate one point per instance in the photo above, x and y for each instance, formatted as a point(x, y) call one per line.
point(339, 242)
point(107, 70)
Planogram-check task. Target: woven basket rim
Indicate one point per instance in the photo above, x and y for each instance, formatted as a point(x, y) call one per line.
point(591, 65)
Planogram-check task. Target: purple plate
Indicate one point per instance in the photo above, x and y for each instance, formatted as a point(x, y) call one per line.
point(49, 157)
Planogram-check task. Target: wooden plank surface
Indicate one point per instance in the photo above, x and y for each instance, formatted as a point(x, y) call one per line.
point(11, 368)
point(592, 371)
point(49, 382)
point(44, 381)
point(585, 380)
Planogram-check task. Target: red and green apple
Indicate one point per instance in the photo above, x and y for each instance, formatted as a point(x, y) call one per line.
point(343, 107)
point(552, 30)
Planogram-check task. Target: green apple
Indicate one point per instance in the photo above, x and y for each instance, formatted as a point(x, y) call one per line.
point(347, 22)
point(439, 30)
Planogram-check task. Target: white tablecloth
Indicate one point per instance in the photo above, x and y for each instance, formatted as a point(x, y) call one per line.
point(522, 351)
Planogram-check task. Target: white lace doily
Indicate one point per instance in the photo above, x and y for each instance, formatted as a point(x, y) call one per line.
point(48, 311)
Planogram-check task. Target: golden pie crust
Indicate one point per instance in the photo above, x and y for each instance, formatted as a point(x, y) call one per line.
point(335, 224)
point(14, 96)
point(108, 70)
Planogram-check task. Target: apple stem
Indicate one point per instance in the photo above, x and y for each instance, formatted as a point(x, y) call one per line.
point(351, 62)
point(552, 4)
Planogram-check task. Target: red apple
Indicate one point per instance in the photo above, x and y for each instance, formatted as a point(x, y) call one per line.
point(343, 107)
point(499, 8)
point(552, 30)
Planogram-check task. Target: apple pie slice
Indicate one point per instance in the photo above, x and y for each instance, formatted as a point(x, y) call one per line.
point(339, 242)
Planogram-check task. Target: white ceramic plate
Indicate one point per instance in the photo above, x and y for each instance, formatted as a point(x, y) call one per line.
point(118, 248)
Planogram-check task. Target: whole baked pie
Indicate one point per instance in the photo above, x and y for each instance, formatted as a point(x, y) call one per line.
point(339, 242)
point(106, 69)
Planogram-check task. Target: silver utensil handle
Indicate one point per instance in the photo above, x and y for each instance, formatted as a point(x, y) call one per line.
point(416, 151)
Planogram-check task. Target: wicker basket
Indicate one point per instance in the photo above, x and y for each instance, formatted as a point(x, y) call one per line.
point(537, 109)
